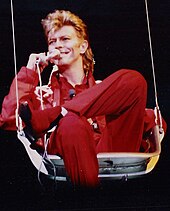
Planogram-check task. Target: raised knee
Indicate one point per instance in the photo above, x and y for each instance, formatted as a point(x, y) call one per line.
point(74, 132)
point(70, 121)
point(134, 80)
point(72, 124)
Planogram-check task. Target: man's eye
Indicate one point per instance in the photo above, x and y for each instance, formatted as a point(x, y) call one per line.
point(65, 38)
point(51, 42)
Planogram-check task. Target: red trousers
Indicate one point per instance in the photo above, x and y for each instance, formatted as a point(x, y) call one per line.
point(122, 99)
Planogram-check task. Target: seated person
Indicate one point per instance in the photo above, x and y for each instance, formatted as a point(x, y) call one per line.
point(106, 117)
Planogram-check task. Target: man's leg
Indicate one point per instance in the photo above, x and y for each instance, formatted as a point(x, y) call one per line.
point(73, 141)
point(122, 98)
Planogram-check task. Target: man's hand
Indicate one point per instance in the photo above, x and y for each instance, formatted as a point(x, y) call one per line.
point(42, 59)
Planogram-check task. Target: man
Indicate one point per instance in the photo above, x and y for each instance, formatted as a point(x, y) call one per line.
point(106, 117)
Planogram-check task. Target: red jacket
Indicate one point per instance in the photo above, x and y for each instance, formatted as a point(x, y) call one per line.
point(55, 93)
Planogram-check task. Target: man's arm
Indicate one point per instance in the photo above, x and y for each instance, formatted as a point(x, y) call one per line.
point(27, 81)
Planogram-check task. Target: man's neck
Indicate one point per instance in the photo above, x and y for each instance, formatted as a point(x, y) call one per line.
point(74, 75)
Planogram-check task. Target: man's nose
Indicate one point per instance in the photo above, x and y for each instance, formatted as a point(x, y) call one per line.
point(58, 44)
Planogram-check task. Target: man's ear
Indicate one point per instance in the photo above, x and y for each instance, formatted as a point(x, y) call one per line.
point(84, 46)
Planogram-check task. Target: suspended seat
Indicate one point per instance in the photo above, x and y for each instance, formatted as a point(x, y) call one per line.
point(112, 165)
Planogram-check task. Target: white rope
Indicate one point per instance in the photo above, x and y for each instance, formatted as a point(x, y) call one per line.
point(15, 67)
point(46, 158)
point(18, 119)
point(40, 81)
point(157, 112)
point(45, 154)
point(151, 53)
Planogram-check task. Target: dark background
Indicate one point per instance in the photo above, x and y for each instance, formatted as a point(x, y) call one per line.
point(119, 39)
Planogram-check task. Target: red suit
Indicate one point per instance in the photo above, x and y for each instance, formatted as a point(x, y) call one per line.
point(116, 107)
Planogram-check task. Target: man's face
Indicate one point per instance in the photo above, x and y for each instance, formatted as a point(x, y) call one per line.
point(70, 46)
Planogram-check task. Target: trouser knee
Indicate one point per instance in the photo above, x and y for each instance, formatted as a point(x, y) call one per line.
point(138, 80)
point(73, 128)
point(133, 80)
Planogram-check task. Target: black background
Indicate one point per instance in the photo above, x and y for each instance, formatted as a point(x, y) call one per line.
point(119, 39)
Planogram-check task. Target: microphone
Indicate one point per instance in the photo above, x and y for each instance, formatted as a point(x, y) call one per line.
point(53, 54)
point(72, 93)
point(50, 55)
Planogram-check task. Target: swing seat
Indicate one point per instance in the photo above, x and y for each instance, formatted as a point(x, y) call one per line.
point(131, 165)
point(112, 165)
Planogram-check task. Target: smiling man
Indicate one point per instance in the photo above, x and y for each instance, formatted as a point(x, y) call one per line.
point(105, 117)
point(71, 49)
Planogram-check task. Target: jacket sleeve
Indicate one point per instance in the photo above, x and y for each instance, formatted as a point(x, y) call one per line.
point(27, 81)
